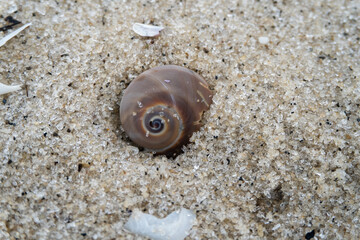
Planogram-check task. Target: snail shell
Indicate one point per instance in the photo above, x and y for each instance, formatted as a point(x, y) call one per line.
point(163, 106)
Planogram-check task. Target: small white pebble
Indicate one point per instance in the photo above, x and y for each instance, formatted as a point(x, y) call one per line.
point(263, 40)
point(147, 30)
point(167, 81)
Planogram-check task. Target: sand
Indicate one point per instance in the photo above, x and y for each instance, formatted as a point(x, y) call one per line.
point(277, 157)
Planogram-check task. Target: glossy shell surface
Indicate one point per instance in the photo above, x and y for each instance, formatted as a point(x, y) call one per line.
point(163, 106)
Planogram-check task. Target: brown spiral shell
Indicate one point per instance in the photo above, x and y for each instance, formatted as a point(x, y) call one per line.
point(163, 106)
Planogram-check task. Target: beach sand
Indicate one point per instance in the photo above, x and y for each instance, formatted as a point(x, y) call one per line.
point(278, 154)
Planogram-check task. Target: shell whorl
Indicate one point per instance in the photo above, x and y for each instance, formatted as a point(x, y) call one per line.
point(163, 106)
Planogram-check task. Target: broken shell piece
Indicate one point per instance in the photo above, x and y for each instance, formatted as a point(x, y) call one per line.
point(147, 30)
point(6, 89)
point(175, 226)
point(13, 34)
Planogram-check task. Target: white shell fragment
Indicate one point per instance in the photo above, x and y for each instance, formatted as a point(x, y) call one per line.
point(13, 34)
point(175, 226)
point(147, 30)
point(6, 89)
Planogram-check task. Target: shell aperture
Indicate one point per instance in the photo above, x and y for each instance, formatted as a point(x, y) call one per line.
point(163, 106)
